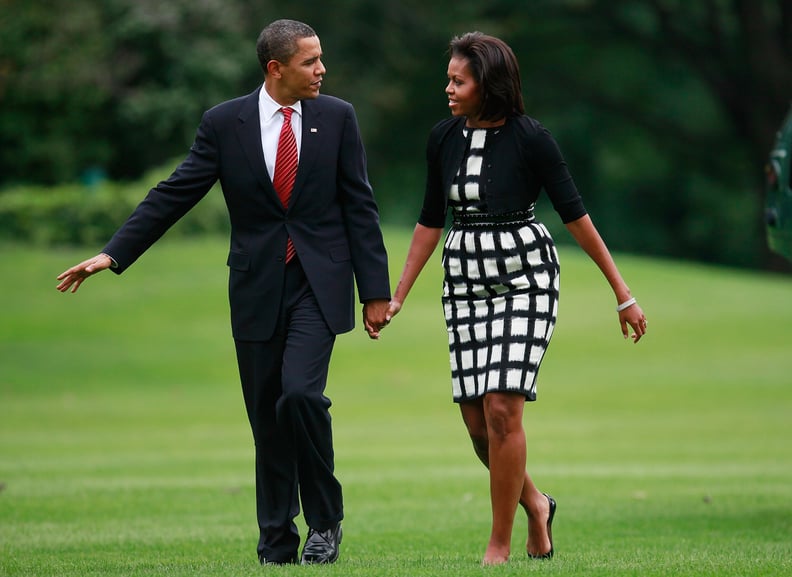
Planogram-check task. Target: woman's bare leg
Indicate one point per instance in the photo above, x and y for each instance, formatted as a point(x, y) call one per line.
point(532, 500)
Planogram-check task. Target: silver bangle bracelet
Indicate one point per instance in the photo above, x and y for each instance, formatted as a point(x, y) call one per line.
point(626, 304)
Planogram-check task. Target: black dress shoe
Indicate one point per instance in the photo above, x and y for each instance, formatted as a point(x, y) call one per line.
point(549, 554)
point(322, 546)
point(287, 561)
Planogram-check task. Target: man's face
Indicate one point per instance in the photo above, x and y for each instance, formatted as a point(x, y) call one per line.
point(301, 77)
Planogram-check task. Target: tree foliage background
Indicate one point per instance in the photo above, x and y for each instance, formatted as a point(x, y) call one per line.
point(665, 109)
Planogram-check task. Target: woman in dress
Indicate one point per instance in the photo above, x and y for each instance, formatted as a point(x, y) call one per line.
point(488, 164)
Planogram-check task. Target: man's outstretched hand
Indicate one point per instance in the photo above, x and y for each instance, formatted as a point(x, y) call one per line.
point(75, 276)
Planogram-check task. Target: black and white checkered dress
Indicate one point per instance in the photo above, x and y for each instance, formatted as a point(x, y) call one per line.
point(500, 291)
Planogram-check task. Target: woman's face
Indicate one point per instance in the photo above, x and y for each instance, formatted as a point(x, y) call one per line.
point(462, 90)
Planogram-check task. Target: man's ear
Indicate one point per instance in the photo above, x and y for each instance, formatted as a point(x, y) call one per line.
point(273, 69)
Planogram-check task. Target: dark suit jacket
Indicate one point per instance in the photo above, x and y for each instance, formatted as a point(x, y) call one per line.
point(332, 216)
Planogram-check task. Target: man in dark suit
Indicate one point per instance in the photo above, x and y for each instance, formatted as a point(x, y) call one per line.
point(285, 310)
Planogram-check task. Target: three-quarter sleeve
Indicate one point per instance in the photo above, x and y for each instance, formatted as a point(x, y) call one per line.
point(433, 211)
point(549, 164)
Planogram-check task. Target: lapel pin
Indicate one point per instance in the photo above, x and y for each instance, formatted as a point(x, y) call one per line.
point(313, 130)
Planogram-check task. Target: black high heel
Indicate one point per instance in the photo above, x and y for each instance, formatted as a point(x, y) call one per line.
point(549, 554)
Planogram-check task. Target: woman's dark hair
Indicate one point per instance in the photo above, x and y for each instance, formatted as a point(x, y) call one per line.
point(278, 41)
point(496, 71)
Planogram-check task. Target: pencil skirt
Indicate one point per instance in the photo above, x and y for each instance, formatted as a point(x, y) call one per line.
point(500, 298)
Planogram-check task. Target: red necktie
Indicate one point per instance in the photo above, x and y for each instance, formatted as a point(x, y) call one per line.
point(286, 168)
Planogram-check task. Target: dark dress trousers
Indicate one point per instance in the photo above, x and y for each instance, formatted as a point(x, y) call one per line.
point(284, 317)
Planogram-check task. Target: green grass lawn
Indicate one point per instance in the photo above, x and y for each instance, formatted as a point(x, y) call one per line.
point(125, 451)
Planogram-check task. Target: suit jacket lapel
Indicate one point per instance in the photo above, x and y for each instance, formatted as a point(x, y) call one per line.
point(312, 137)
point(249, 131)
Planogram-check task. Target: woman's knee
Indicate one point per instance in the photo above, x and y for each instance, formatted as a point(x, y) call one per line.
point(504, 414)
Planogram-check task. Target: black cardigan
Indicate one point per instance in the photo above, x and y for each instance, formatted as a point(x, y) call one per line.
point(519, 160)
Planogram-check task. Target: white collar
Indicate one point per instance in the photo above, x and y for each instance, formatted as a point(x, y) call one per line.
point(269, 108)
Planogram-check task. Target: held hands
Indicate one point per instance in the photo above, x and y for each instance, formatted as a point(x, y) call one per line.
point(375, 317)
point(377, 314)
point(75, 276)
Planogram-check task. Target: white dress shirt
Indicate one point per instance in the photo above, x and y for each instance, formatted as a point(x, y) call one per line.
point(271, 123)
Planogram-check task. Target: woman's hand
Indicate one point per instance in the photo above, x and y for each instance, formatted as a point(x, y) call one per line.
point(393, 309)
point(635, 318)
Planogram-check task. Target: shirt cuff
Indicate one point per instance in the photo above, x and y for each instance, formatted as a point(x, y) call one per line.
point(113, 263)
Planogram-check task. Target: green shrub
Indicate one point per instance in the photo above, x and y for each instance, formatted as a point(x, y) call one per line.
point(89, 214)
